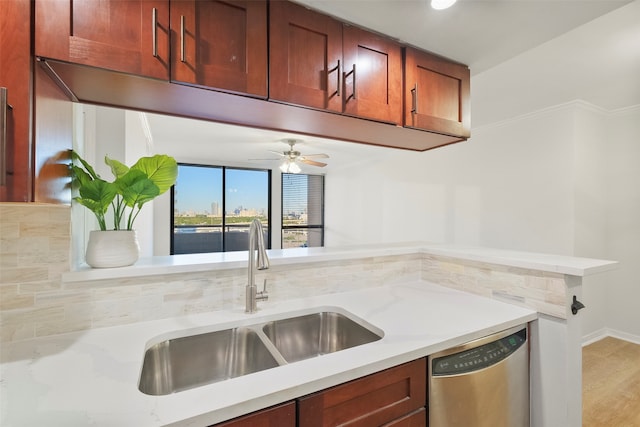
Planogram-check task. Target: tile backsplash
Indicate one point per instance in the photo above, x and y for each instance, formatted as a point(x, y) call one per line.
point(543, 291)
point(34, 252)
point(35, 247)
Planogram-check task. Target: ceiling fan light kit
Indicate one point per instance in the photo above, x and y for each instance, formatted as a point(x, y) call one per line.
point(291, 159)
point(289, 166)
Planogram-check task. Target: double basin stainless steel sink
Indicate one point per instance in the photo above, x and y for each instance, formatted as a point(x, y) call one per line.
point(189, 361)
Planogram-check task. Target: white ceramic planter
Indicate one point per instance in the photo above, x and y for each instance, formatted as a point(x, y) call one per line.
point(112, 248)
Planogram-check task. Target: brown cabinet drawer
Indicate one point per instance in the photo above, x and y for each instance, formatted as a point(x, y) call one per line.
point(278, 416)
point(374, 400)
point(414, 419)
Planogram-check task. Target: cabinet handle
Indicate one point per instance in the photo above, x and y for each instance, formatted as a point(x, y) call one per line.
point(154, 31)
point(353, 95)
point(338, 74)
point(351, 73)
point(414, 99)
point(338, 82)
point(4, 107)
point(182, 38)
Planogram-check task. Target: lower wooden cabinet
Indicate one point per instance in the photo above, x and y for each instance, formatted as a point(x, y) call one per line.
point(383, 398)
point(395, 397)
point(414, 419)
point(278, 416)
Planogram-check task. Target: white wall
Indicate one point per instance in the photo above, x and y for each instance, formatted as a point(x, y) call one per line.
point(590, 139)
point(509, 186)
point(139, 144)
point(623, 222)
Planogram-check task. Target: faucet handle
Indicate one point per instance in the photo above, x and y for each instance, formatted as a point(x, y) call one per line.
point(263, 295)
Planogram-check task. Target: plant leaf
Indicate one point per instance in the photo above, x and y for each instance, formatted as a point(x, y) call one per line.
point(161, 169)
point(136, 188)
point(132, 187)
point(87, 166)
point(97, 195)
point(118, 169)
point(80, 176)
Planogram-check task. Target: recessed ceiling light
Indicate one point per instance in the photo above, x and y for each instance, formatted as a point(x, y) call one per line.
point(442, 4)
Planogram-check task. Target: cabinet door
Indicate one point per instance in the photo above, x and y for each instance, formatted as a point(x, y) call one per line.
point(372, 76)
point(414, 419)
point(369, 401)
point(305, 51)
point(436, 94)
point(220, 44)
point(131, 36)
point(15, 111)
point(279, 416)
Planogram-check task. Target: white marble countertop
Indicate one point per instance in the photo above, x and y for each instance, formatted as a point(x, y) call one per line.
point(91, 377)
point(562, 264)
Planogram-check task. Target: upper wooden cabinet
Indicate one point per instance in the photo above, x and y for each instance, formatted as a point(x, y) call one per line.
point(305, 50)
point(16, 82)
point(276, 50)
point(131, 36)
point(318, 62)
point(220, 44)
point(372, 76)
point(436, 94)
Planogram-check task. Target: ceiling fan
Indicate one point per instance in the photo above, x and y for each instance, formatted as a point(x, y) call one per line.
point(292, 157)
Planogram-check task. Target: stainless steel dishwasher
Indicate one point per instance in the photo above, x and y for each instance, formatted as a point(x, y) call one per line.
point(484, 383)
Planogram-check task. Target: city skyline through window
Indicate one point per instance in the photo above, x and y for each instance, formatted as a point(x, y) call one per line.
point(302, 210)
point(213, 207)
point(200, 190)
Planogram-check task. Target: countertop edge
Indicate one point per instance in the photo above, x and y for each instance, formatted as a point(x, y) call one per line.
point(176, 264)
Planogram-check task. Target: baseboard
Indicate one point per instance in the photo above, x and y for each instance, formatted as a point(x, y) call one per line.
point(595, 336)
point(607, 332)
point(624, 336)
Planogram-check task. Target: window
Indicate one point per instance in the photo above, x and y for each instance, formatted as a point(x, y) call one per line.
point(213, 207)
point(302, 210)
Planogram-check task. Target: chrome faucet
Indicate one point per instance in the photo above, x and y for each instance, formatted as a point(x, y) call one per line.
point(256, 241)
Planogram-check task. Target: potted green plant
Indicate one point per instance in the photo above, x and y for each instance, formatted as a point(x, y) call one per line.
point(132, 187)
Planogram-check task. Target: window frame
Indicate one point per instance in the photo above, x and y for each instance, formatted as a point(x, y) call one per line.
point(224, 204)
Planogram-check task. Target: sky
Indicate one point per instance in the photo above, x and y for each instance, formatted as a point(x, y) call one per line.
point(198, 187)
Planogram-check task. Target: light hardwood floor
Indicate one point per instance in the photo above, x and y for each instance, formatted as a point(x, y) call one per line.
point(611, 384)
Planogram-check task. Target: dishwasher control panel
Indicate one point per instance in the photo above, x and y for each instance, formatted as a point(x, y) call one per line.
point(479, 357)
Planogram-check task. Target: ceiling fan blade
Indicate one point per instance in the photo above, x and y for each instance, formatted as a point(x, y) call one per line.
point(279, 153)
point(266, 159)
point(319, 155)
point(313, 163)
